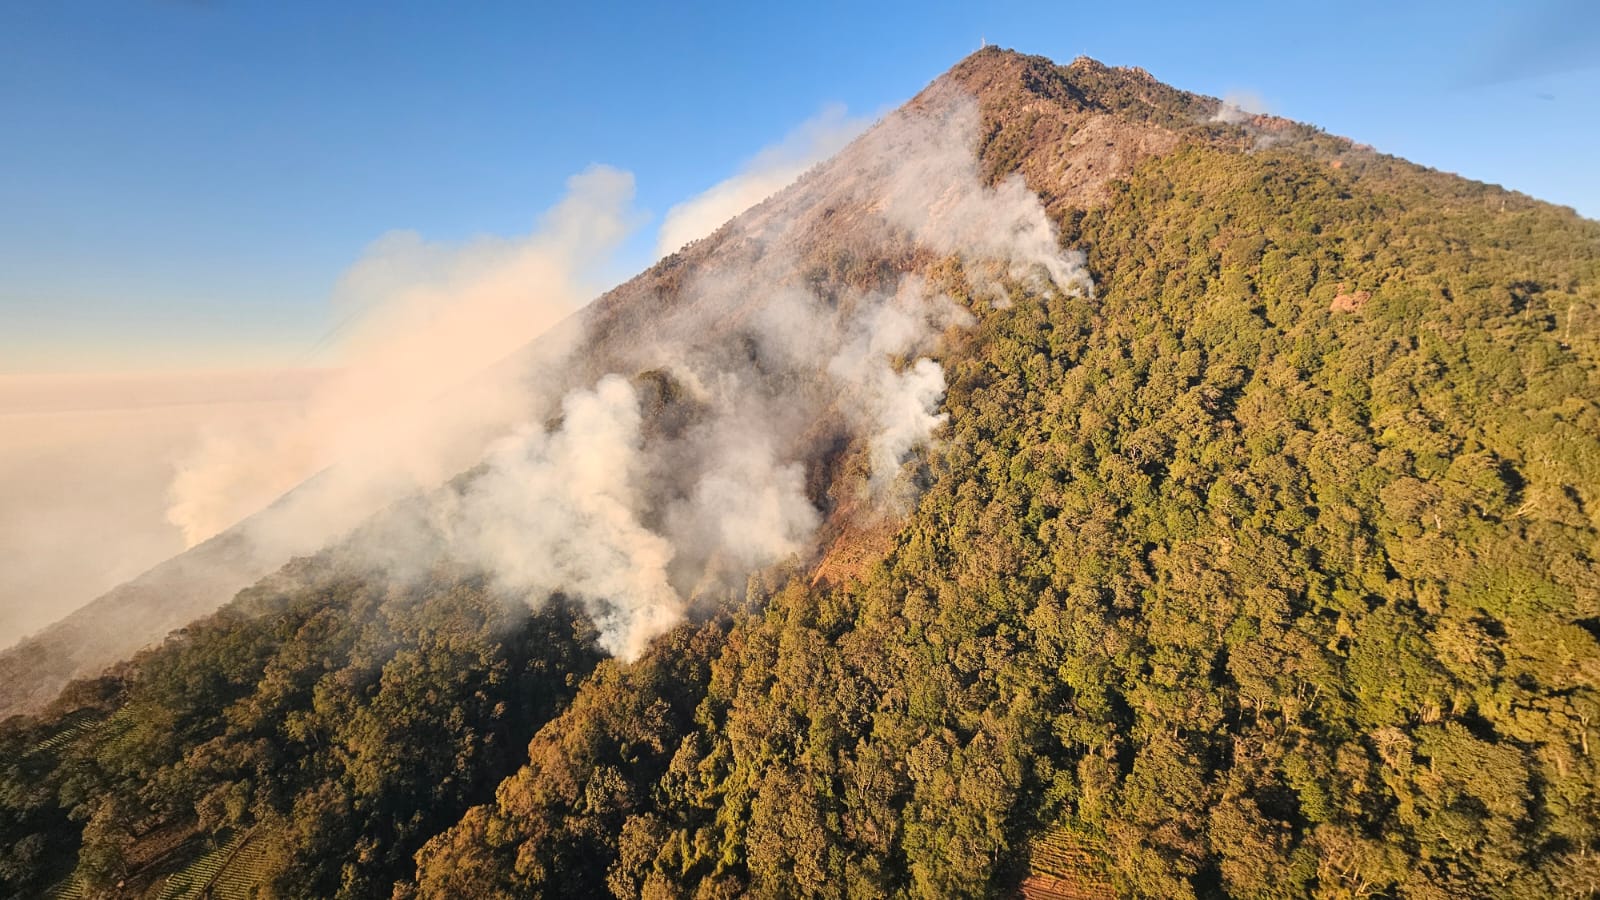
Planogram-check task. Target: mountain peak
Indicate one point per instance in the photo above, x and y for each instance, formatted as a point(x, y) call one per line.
point(1262, 565)
point(1067, 130)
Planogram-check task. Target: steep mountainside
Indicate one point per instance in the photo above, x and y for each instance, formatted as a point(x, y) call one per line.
point(1265, 566)
point(1068, 136)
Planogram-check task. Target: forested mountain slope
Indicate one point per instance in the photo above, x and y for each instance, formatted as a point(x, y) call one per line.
point(1268, 569)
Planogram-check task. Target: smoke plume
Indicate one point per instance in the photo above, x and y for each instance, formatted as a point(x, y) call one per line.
point(665, 483)
point(1239, 107)
point(411, 403)
point(780, 385)
point(726, 413)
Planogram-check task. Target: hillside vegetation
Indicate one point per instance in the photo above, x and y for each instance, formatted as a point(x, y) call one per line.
point(1268, 571)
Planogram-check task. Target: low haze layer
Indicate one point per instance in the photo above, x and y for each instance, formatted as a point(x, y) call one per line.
point(86, 470)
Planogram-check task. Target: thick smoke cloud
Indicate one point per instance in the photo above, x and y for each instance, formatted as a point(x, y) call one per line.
point(561, 510)
point(675, 476)
point(637, 527)
point(721, 429)
point(411, 403)
point(769, 399)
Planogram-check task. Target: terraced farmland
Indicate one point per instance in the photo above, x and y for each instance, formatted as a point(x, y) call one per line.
point(243, 872)
point(69, 888)
point(77, 724)
point(1061, 867)
point(193, 880)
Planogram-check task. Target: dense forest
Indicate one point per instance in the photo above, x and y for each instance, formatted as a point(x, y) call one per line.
point(1268, 571)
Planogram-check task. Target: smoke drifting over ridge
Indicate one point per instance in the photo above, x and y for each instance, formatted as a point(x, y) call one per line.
point(768, 172)
point(412, 403)
point(651, 494)
point(1239, 107)
point(720, 429)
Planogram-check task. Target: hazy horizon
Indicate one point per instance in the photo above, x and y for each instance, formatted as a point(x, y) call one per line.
point(85, 472)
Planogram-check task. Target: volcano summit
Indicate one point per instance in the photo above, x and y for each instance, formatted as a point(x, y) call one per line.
point(1075, 487)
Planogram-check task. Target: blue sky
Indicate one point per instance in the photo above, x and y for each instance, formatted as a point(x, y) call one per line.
point(182, 183)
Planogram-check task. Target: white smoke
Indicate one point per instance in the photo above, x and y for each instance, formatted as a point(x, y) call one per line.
point(769, 171)
point(770, 394)
point(411, 403)
point(1239, 107)
point(932, 196)
point(745, 408)
point(894, 409)
point(1245, 109)
point(637, 527)
point(651, 492)
point(560, 512)
point(747, 506)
